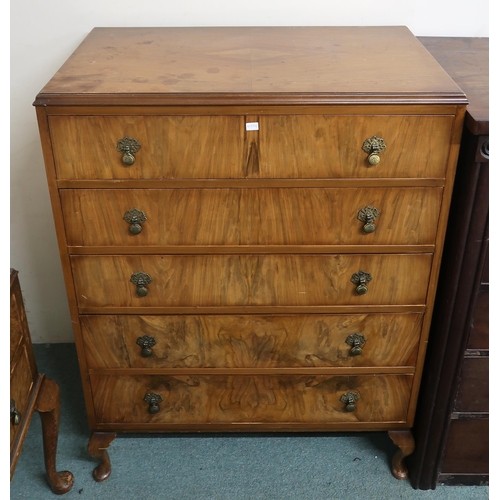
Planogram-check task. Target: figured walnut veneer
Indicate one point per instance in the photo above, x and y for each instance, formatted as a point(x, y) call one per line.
point(249, 180)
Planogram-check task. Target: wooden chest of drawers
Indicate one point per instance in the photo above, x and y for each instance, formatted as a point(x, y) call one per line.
point(250, 223)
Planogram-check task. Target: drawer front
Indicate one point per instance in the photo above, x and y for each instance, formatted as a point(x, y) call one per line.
point(219, 399)
point(249, 280)
point(468, 447)
point(300, 216)
point(219, 147)
point(21, 383)
point(248, 341)
point(473, 390)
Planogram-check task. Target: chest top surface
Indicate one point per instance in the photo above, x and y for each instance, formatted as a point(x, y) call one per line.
point(250, 65)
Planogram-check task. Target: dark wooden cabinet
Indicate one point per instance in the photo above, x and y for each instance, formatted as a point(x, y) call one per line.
point(452, 419)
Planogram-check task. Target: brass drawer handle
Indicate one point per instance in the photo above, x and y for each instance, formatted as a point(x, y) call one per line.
point(349, 398)
point(356, 341)
point(135, 218)
point(368, 215)
point(361, 278)
point(140, 280)
point(373, 146)
point(154, 401)
point(15, 414)
point(128, 147)
point(146, 342)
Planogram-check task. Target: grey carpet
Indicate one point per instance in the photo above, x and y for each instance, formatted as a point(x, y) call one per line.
point(346, 466)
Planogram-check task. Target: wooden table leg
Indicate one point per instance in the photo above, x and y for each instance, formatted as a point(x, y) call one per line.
point(48, 407)
point(406, 444)
point(98, 443)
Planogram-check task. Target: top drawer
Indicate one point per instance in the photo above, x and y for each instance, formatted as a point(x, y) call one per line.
point(220, 147)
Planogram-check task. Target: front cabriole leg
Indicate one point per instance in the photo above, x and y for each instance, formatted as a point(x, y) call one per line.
point(404, 441)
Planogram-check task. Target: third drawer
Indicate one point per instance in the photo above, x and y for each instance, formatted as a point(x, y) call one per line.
point(174, 281)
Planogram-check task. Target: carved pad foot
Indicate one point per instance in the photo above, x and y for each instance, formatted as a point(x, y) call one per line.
point(406, 444)
point(98, 443)
point(48, 407)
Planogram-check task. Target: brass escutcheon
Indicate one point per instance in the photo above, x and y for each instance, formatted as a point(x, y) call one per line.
point(373, 146)
point(349, 398)
point(140, 280)
point(146, 342)
point(135, 218)
point(361, 278)
point(356, 341)
point(154, 401)
point(368, 215)
point(128, 147)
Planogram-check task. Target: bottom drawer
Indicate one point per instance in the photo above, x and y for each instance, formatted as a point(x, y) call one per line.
point(467, 447)
point(231, 399)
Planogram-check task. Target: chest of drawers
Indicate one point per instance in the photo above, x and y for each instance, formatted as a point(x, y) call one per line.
point(250, 223)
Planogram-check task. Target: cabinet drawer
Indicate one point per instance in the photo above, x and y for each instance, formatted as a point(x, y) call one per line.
point(473, 390)
point(299, 216)
point(249, 280)
point(220, 147)
point(247, 341)
point(230, 399)
point(21, 383)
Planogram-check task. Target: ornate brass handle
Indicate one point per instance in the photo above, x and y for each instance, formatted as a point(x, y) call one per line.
point(349, 398)
point(128, 147)
point(15, 414)
point(140, 280)
point(368, 215)
point(135, 218)
point(356, 341)
point(154, 401)
point(361, 278)
point(146, 342)
point(373, 146)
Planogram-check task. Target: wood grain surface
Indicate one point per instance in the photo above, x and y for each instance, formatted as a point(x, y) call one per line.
point(237, 399)
point(270, 64)
point(286, 146)
point(21, 383)
point(250, 341)
point(250, 280)
point(227, 217)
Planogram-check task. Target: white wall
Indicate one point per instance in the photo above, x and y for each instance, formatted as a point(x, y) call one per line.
point(44, 34)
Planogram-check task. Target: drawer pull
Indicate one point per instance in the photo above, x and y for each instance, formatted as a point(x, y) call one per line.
point(140, 280)
point(349, 398)
point(146, 342)
point(373, 146)
point(154, 401)
point(135, 218)
point(361, 278)
point(368, 215)
point(128, 147)
point(15, 414)
point(356, 341)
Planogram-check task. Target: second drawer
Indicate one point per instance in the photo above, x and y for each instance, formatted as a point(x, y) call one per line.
point(265, 216)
